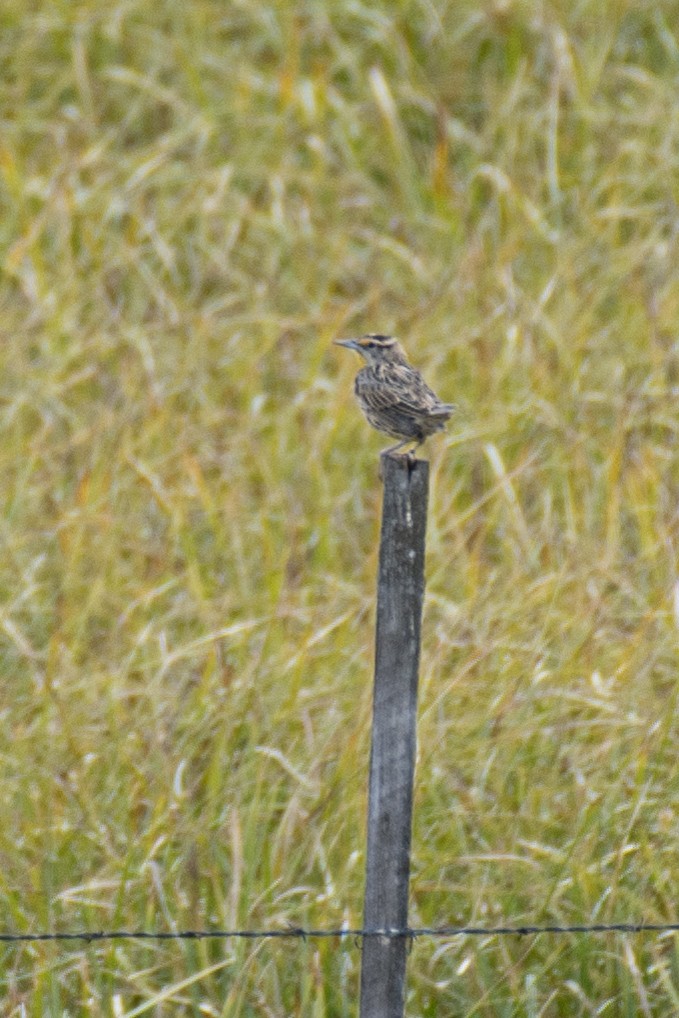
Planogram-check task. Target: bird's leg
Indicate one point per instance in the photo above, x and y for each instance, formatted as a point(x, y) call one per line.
point(410, 457)
point(392, 449)
point(395, 448)
point(412, 453)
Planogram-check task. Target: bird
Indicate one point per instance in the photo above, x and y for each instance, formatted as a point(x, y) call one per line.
point(393, 395)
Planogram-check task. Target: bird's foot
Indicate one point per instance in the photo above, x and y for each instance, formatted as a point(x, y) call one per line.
point(408, 458)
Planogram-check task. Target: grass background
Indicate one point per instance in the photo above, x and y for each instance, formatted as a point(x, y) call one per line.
point(195, 199)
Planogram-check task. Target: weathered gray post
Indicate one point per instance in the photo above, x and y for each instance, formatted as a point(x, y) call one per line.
point(400, 590)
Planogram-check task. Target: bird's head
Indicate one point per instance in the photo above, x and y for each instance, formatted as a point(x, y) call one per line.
point(374, 347)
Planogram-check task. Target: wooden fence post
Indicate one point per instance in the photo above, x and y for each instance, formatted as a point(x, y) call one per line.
point(400, 591)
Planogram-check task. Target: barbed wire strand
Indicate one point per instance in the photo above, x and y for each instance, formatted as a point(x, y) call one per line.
point(303, 934)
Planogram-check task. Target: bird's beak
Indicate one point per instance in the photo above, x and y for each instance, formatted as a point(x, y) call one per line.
point(351, 344)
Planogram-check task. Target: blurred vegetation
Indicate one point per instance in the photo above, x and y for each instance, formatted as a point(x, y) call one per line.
point(195, 199)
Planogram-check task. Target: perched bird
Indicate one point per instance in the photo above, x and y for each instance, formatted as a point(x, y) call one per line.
point(393, 395)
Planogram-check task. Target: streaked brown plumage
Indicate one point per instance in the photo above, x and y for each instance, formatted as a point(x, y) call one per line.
point(393, 395)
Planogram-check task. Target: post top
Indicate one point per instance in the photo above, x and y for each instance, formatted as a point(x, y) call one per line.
point(393, 462)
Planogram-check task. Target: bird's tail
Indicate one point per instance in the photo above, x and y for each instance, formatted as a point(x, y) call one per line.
point(444, 410)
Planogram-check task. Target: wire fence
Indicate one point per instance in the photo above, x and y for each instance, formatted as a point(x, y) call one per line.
point(408, 933)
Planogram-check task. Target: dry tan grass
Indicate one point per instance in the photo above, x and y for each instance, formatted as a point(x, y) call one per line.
point(195, 199)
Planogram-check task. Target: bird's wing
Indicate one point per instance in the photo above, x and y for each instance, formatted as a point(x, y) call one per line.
point(406, 391)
